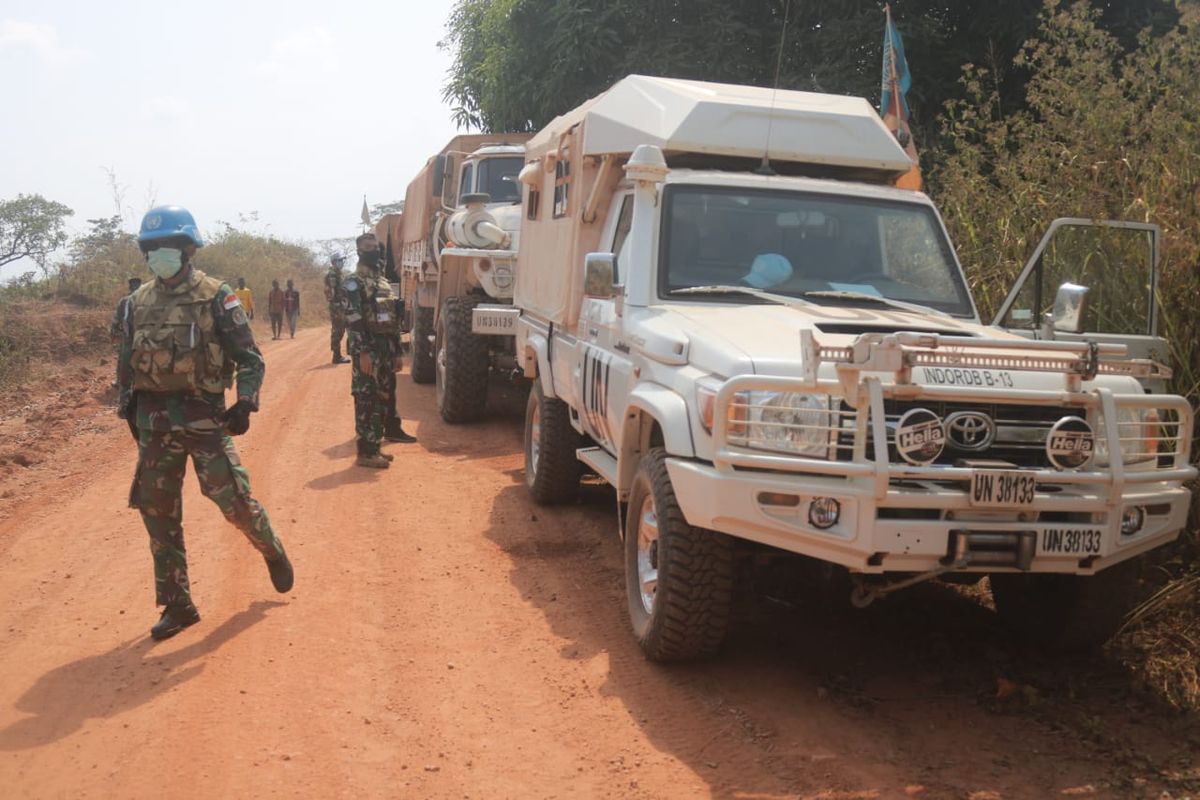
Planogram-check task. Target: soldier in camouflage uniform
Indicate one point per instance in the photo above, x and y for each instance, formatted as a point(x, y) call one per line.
point(372, 319)
point(185, 337)
point(333, 295)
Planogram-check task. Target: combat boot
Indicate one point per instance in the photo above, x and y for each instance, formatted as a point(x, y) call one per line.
point(375, 460)
point(338, 358)
point(173, 620)
point(394, 433)
point(282, 576)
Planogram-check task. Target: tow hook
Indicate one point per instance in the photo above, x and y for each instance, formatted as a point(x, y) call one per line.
point(864, 593)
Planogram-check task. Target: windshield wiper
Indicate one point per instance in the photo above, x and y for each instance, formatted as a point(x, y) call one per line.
point(781, 299)
point(871, 298)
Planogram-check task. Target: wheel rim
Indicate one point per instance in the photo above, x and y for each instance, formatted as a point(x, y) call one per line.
point(647, 553)
point(535, 438)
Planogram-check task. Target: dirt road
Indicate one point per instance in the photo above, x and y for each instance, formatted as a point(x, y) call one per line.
point(447, 639)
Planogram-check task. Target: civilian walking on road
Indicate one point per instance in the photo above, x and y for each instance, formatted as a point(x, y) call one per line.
point(275, 306)
point(245, 297)
point(291, 306)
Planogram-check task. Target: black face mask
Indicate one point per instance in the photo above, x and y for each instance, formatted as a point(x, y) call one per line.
point(370, 258)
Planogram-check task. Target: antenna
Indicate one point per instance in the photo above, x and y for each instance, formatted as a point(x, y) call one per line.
point(765, 167)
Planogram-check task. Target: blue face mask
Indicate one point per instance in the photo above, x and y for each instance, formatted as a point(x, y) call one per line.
point(165, 261)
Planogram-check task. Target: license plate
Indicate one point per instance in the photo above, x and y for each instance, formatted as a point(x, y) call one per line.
point(1002, 489)
point(502, 321)
point(1084, 542)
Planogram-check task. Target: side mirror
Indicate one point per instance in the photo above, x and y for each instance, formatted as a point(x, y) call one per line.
point(1070, 308)
point(439, 175)
point(598, 276)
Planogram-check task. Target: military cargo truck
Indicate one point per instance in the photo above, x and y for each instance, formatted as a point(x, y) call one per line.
point(455, 256)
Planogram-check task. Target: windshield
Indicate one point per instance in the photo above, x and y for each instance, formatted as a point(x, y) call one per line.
point(807, 245)
point(498, 177)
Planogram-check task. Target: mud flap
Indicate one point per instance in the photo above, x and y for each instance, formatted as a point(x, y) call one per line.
point(622, 510)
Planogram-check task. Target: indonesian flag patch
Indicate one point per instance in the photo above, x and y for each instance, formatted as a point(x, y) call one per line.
point(231, 302)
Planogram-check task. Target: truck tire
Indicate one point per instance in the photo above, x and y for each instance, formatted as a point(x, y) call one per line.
point(678, 578)
point(461, 366)
point(1067, 613)
point(423, 363)
point(551, 469)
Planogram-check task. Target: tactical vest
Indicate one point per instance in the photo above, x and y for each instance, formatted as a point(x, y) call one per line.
point(175, 345)
point(380, 309)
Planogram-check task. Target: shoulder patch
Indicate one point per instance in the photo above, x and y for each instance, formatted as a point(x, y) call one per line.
point(239, 316)
point(351, 284)
point(231, 302)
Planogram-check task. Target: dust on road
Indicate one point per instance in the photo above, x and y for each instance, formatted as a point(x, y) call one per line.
point(447, 639)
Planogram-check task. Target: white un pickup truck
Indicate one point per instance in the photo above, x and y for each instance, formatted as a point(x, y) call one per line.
point(784, 351)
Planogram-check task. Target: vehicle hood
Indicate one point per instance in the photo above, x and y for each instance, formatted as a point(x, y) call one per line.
point(728, 340)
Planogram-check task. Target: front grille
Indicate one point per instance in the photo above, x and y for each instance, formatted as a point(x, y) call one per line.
point(1021, 431)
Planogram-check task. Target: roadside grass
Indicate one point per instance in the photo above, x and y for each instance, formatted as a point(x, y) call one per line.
point(38, 335)
point(1160, 642)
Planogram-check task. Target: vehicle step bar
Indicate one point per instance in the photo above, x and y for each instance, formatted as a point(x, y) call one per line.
point(599, 459)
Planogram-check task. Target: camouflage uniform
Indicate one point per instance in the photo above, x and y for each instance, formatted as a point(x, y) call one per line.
point(179, 353)
point(370, 310)
point(337, 316)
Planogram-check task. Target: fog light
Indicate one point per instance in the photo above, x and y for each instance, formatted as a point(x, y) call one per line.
point(1132, 520)
point(823, 512)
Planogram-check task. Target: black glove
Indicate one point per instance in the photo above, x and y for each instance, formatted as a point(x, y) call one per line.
point(237, 418)
point(133, 428)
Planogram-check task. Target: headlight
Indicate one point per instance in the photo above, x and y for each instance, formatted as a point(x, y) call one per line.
point(787, 422)
point(1139, 431)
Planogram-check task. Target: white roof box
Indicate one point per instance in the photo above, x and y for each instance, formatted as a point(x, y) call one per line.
point(682, 116)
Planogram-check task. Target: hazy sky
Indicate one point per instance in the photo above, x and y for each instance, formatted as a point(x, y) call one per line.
point(292, 110)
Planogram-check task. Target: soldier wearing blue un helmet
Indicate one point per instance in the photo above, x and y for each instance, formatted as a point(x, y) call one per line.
point(185, 341)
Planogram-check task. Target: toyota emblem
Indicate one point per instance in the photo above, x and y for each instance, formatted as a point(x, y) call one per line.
point(970, 431)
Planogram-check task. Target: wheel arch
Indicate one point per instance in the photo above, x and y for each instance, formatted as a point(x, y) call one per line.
point(535, 361)
point(655, 417)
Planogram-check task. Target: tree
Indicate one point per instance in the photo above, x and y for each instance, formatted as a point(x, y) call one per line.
point(519, 63)
point(379, 210)
point(31, 227)
point(105, 233)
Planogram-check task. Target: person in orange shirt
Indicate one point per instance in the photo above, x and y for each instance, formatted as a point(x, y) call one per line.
point(275, 307)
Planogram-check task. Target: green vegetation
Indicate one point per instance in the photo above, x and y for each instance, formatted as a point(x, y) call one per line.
point(1105, 133)
point(519, 63)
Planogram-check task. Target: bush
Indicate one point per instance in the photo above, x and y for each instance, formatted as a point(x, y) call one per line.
point(1103, 134)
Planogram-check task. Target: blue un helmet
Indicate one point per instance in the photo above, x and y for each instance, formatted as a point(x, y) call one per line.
point(169, 222)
